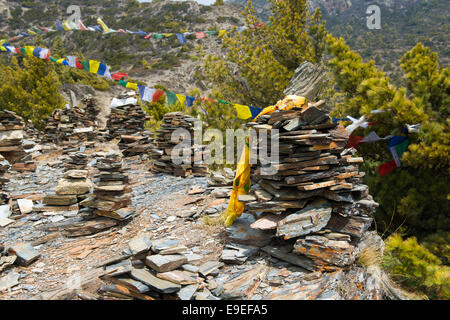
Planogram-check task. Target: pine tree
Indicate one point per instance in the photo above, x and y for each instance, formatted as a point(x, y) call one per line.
point(415, 195)
point(31, 89)
point(261, 60)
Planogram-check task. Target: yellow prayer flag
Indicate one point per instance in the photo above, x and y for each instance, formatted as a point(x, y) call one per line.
point(103, 25)
point(241, 186)
point(167, 34)
point(31, 32)
point(60, 61)
point(243, 111)
point(29, 50)
point(93, 66)
point(222, 32)
point(66, 26)
point(2, 41)
point(131, 85)
point(181, 98)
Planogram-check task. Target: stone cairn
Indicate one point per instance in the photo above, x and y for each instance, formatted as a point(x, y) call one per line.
point(73, 188)
point(315, 206)
point(71, 126)
point(12, 142)
point(162, 154)
point(126, 122)
point(112, 194)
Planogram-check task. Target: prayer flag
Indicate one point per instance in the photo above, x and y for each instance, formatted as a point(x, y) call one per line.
point(200, 35)
point(119, 75)
point(146, 93)
point(190, 101)
point(387, 168)
point(243, 112)
point(103, 25)
point(181, 38)
point(158, 94)
point(171, 98)
point(59, 26)
point(181, 98)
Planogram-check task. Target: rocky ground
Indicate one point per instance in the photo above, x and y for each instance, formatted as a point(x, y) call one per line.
point(168, 208)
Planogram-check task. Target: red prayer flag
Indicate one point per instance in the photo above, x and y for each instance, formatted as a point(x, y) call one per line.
point(354, 141)
point(148, 36)
point(121, 31)
point(387, 168)
point(200, 35)
point(79, 65)
point(119, 75)
point(158, 94)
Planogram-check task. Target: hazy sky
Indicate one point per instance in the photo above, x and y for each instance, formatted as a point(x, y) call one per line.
point(199, 1)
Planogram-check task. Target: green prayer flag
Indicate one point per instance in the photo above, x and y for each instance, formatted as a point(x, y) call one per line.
point(157, 36)
point(86, 65)
point(223, 101)
point(123, 83)
point(212, 32)
point(53, 59)
point(171, 98)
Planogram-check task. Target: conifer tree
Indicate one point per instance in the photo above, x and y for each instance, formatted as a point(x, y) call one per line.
point(31, 89)
point(261, 60)
point(415, 195)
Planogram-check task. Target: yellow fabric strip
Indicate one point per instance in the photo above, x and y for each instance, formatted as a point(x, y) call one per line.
point(103, 25)
point(181, 98)
point(29, 50)
point(222, 32)
point(66, 26)
point(133, 86)
point(243, 112)
point(93, 66)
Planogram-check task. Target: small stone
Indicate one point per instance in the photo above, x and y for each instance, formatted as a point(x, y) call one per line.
point(25, 253)
point(187, 292)
point(179, 277)
point(190, 268)
point(163, 244)
point(209, 267)
point(140, 245)
point(25, 205)
point(153, 282)
point(66, 187)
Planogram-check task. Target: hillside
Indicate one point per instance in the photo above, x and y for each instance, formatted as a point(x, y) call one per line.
point(404, 23)
point(153, 61)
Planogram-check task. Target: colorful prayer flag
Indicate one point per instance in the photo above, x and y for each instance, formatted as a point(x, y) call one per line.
point(190, 101)
point(387, 168)
point(181, 98)
point(200, 35)
point(243, 112)
point(158, 94)
point(171, 98)
point(103, 25)
point(241, 186)
point(181, 38)
point(146, 93)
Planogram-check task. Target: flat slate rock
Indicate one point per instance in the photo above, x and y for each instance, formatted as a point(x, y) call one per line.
point(187, 292)
point(163, 244)
point(161, 263)
point(179, 277)
point(241, 232)
point(238, 254)
point(25, 253)
point(154, 283)
point(140, 245)
point(209, 267)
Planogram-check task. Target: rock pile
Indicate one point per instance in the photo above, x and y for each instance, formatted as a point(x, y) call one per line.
point(12, 142)
point(126, 122)
point(72, 189)
point(70, 126)
point(112, 194)
point(164, 144)
point(315, 203)
point(157, 269)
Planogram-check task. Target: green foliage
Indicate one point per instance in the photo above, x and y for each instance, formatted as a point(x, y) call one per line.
point(414, 196)
point(416, 268)
point(30, 87)
point(260, 61)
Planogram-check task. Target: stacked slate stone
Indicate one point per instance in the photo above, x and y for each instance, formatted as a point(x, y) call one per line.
point(70, 126)
point(132, 145)
point(112, 194)
point(4, 167)
point(157, 269)
point(162, 154)
point(73, 188)
point(127, 119)
point(11, 135)
point(315, 203)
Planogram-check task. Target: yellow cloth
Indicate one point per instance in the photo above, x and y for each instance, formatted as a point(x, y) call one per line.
point(241, 186)
point(181, 98)
point(31, 32)
point(167, 34)
point(131, 85)
point(66, 26)
point(60, 61)
point(103, 25)
point(93, 66)
point(222, 32)
point(287, 103)
point(2, 41)
point(243, 112)
point(29, 50)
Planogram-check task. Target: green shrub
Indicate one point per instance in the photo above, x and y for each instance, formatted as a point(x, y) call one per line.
point(416, 268)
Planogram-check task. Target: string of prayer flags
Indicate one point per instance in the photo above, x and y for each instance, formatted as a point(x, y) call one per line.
point(336, 120)
point(361, 122)
point(158, 94)
point(81, 26)
point(414, 128)
point(245, 112)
